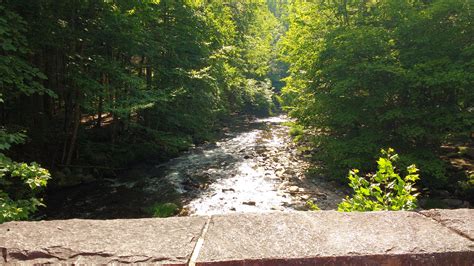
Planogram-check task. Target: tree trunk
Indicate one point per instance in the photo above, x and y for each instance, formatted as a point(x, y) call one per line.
point(101, 104)
point(77, 122)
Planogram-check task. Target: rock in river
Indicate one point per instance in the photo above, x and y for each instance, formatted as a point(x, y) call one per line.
point(293, 189)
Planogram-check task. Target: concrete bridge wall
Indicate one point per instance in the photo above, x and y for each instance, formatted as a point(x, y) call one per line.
point(435, 237)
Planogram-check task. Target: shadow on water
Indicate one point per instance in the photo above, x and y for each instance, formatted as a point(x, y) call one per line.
point(124, 197)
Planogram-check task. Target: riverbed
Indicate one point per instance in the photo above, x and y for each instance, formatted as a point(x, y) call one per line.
point(254, 167)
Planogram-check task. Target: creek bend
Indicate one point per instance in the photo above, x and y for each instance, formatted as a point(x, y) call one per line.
point(254, 167)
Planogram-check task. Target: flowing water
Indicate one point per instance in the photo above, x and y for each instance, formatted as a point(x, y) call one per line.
point(254, 168)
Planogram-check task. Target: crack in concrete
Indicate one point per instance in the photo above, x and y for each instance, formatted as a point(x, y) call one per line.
point(199, 243)
point(456, 231)
point(4, 254)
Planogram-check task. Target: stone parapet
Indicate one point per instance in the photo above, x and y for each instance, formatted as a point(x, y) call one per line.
point(435, 237)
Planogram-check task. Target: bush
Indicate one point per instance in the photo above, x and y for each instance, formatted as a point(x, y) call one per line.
point(19, 182)
point(385, 190)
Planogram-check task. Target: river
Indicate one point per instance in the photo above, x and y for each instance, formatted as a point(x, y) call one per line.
point(254, 167)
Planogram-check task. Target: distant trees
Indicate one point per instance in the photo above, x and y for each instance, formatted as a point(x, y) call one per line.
point(373, 74)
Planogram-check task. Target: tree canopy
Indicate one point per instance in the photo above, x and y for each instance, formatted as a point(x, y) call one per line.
point(110, 83)
point(374, 74)
point(114, 82)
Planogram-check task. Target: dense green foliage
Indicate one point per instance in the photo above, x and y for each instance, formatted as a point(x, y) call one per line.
point(114, 82)
point(19, 182)
point(88, 88)
point(370, 74)
point(100, 85)
point(384, 190)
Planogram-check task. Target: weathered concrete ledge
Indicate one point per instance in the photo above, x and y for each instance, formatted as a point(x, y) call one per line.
point(435, 237)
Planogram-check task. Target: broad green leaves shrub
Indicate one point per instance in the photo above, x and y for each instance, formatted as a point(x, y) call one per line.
point(19, 182)
point(384, 190)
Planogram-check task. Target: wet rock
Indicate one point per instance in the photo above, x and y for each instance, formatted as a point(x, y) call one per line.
point(293, 189)
point(300, 206)
point(321, 195)
point(283, 185)
point(305, 197)
point(251, 203)
point(289, 172)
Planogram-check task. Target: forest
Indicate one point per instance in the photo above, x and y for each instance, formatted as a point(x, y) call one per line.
point(91, 88)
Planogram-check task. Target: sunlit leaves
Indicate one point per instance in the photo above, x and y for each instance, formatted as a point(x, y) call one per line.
point(393, 73)
point(30, 176)
point(384, 190)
